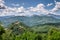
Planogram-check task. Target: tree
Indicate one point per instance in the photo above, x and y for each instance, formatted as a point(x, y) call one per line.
point(1, 31)
point(26, 36)
point(8, 35)
point(54, 34)
point(38, 37)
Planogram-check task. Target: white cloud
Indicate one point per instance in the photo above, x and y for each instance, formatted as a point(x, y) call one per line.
point(9, 10)
point(15, 4)
point(21, 11)
point(39, 8)
point(12, 11)
point(56, 8)
point(2, 6)
point(50, 4)
point(1, 3)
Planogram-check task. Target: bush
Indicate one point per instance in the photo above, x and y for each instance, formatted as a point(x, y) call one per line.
point(54, 34)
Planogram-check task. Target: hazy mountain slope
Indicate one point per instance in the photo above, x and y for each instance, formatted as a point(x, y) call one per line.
point(45, 27)
point(30, 21)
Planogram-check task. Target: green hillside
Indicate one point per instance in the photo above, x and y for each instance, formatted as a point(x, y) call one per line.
point(45, 27)
point(30, 21)
point(20, 31)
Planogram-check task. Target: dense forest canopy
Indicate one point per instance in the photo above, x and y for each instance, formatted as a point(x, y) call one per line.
point(20, 31)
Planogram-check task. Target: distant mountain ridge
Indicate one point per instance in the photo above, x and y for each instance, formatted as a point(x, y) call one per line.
point(32, 20)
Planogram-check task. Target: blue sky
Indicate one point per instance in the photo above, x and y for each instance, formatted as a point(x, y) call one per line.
point(29, 6)
point(29, 3)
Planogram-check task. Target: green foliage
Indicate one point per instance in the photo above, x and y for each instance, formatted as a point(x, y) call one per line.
point(19, 31)
point(8, 35)
point(54, 34)
point(26, 36)
point(1, 31)
point(18, 28)
point(29, 36)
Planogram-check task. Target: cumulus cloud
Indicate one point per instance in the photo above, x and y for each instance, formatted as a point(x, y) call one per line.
point(56, 8)
point(21, 11)
point(39, 8)
point(50, 4)
point(2, 6)
point(12, 11)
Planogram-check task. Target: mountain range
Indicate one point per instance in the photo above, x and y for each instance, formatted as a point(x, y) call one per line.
point(31, 20)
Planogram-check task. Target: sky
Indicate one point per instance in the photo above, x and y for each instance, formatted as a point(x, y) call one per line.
point(29, 7)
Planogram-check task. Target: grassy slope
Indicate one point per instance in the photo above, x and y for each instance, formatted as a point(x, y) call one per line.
point(45, 27)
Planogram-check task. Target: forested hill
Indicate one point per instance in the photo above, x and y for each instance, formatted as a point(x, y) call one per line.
point(30, 20)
